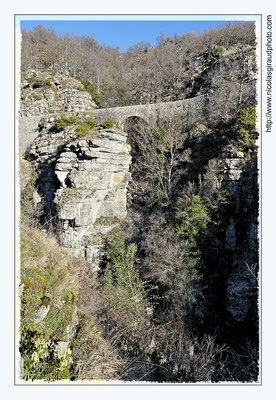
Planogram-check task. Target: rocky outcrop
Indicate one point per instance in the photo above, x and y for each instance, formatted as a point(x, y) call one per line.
point(83, 184)
point(241, 235)
point(241, 287)
point(46, 92)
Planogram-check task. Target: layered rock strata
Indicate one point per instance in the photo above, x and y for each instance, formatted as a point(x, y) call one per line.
point(241, 236)
point(44, 93)
point(83, 184)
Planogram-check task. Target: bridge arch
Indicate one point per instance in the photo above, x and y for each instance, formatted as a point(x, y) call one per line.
point(134, 124)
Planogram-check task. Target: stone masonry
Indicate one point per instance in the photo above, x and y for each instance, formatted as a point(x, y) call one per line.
point(29, 118)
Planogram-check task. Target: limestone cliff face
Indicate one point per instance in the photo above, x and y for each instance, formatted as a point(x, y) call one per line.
point(44, 92)
point(241, 235)
point(82, 183)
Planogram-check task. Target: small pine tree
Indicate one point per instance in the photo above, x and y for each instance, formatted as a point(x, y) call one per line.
point(245, 128)
point(124, 294)
point(193, 220)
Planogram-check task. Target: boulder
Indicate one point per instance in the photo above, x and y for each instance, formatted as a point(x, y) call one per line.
point(60, 348)
point(41, 313)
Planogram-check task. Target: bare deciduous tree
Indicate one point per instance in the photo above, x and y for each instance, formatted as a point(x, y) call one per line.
point(162, 158)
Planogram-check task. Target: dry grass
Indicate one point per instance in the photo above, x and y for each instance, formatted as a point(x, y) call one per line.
point(25, 170)
point(50, 277)
point(42, 250)
point(49, 272)
point(94, 358)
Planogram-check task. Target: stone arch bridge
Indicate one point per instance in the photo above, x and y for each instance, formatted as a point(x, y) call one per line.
point(149, 112)
point(27, 128)
point(27, 125)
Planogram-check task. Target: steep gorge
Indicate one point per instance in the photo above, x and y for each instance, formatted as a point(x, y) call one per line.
point(181, 192)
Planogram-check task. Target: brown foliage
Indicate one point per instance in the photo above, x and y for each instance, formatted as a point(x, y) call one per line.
point(169, 71)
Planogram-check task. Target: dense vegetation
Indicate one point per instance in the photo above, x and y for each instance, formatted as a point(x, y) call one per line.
point(157, 310)
point(181, 212)
point(179, 67)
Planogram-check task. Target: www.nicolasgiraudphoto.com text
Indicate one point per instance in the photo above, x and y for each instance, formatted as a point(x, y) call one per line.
point(269, 71)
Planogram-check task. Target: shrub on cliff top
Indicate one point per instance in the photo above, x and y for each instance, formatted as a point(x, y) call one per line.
point(98, 97)
point(245, 128)
point(85, 127)
point(37, 82)
point(108, 123)
point(63, 121)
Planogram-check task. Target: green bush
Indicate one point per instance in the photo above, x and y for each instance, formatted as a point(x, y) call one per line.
point(81, 89)
point(68, 297)
point(160, 129)
point(220, 52)
point(35, 281)
point(39, 359)
point(221, 209)
point(120, 263)
point(38, 82)
point(191, 223)
point(245, 128)
point(85, 127)
point(37, 97)
point(123, 292)
point(193, 220)
point(98, 97)
point(124, 98)
point(108, 123)
point(56, 322)
point(63, 121)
